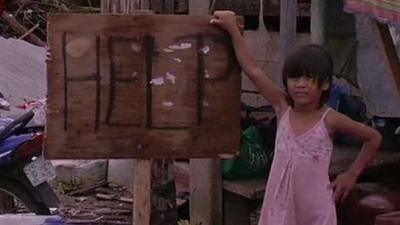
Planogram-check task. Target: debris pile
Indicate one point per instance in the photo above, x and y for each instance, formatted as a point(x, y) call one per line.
point(104, 203)
point(26, 19)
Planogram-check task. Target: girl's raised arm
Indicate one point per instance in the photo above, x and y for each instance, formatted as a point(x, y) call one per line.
point(267, 88)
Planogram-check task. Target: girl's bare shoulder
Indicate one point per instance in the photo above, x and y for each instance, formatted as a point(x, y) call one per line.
point(337, 122)
point(334, 117)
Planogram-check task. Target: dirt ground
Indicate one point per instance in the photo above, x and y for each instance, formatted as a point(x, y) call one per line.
point(105, 204)
point(108, 203)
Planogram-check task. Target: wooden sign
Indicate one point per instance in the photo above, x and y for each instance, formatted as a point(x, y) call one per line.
point(141, 86)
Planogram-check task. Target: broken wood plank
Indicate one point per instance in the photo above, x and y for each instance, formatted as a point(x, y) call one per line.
point(157, 89)
point(105, 197)
point(87, 189)
point(125, 199)
point(107, 211)
point(114, 197)
point(22, 30)
point(29, 32)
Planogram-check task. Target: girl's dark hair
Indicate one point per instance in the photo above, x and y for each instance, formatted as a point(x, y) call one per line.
point(310, 60)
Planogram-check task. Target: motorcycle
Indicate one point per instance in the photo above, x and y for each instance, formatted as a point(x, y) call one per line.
point(24, 173)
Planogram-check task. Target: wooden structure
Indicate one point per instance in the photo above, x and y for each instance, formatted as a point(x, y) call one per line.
point(252, 7)
point(140, 86)
point(151, 177)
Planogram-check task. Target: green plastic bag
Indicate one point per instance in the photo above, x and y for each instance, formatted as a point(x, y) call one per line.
point(253, 160)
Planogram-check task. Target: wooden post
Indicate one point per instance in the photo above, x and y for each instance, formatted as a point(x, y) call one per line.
point(205, 192)
point(198, 7)
point(154, 193)
point(123, 6)
point(287, 32)
point(142, 192)
point(154, 197)
point(163, 193)
point(318, 21)
point(163, 6)
point(389, 53)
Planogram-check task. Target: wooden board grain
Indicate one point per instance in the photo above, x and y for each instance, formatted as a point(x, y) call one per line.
point(140, 86)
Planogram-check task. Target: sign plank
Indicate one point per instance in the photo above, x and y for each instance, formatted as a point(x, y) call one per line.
point(140, 86)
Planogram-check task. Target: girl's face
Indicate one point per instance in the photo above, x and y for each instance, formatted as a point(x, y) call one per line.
point(305, 91)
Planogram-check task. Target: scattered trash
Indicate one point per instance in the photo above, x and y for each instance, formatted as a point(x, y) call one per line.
point(38, 106)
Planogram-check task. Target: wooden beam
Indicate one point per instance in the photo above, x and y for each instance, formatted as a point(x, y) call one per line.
point(205, 191)
point(142, 192)
point(118, 6)
point(287, 32)
point(390, 57)
point(318, 21)
point(199, 7)
point(22, 30)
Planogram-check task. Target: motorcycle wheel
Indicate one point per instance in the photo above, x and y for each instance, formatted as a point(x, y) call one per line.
point(22, 198)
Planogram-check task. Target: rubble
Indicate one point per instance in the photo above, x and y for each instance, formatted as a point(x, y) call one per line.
point(80, 174)
point(88, 209)
point(18, 82)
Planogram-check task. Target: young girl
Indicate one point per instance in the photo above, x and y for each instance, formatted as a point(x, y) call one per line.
point(298, 190)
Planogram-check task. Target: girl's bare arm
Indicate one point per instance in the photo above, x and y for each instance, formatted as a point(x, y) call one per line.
point(371, 139)
point(274, 95)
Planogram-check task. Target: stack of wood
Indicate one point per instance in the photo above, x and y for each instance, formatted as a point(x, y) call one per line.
point(100, 204)
point(27, 19)
point(24, 19)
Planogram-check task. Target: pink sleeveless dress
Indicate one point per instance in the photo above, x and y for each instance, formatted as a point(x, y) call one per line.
point(298, 191)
